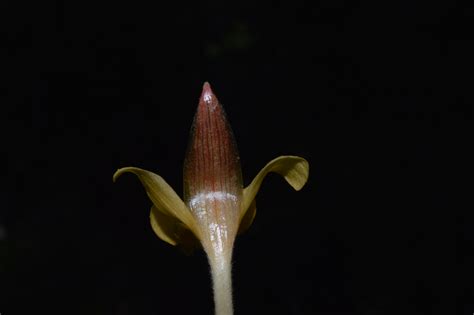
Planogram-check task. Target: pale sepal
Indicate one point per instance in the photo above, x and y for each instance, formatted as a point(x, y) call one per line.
point(248, 218)
point(164, 226)
point(169, 216)
point(294, 169)
point(173, 231)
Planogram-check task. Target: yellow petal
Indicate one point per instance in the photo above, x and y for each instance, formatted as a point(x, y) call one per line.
point(248, 218)
point(164, 226)
point(294, 169)
point(172, 231)
point(171, 212)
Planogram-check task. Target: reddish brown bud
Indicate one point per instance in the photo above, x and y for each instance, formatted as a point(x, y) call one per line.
point(212, 175)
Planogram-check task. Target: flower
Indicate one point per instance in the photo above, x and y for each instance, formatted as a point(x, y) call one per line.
point(216, 206)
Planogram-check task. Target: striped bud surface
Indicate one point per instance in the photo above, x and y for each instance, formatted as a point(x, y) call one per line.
point(212, 176)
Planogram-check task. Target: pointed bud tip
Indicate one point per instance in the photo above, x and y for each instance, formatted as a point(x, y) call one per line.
point(207, 95)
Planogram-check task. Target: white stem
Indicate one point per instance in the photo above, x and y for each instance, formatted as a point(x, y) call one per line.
point(222, 283)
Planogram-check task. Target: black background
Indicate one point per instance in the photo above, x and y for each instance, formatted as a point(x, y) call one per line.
point(376, 96)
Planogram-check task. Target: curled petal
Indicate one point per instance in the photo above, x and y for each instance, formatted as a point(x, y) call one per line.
point(169, 215)
point(294, 169)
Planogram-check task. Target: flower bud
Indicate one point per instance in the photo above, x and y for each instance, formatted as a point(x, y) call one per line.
point(212, 176)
